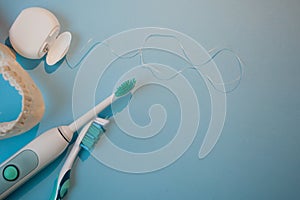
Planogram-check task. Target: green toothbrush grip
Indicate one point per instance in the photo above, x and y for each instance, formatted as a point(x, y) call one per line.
point(61, 188)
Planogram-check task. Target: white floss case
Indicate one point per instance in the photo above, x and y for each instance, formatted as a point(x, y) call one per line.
point(35, 32)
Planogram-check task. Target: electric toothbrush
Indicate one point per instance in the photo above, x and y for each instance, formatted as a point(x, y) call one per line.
point(35, 156)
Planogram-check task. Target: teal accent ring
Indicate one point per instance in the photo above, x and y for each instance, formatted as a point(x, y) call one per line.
point(11, 173)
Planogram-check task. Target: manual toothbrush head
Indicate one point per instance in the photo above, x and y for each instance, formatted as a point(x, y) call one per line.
point(95, 130)
point(125, 87)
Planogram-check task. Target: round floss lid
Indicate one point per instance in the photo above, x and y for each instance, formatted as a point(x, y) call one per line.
point(59, 48)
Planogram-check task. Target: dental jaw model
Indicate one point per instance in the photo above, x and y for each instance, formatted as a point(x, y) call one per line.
point(32, 100)
point(34, 34)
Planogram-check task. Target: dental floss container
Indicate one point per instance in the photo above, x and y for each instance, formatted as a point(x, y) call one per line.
point(35, 33)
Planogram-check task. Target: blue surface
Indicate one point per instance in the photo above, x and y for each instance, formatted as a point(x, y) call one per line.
point(257, 156)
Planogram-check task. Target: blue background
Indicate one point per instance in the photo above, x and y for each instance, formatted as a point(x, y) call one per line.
point(257, 156)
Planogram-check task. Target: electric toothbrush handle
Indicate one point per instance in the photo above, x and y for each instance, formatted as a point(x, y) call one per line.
point(29, 160)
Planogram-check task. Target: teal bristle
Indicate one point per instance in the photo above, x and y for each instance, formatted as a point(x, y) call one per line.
point(92, 136)
point(96, 130)
point(125, 87)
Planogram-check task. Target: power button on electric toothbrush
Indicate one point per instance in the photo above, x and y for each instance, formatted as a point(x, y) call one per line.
point(10, 173)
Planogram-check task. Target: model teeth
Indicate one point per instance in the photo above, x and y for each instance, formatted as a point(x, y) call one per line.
point(32, 100)
point(16, 82)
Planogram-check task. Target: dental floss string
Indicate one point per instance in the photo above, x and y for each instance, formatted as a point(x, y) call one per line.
point(186, 96)
point(155, 72)
point(195, 66)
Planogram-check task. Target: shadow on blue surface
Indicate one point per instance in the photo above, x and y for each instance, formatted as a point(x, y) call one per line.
point(9, 146)
point(30, 64)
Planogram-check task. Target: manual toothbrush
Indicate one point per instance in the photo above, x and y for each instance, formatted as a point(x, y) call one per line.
point(86, 139)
